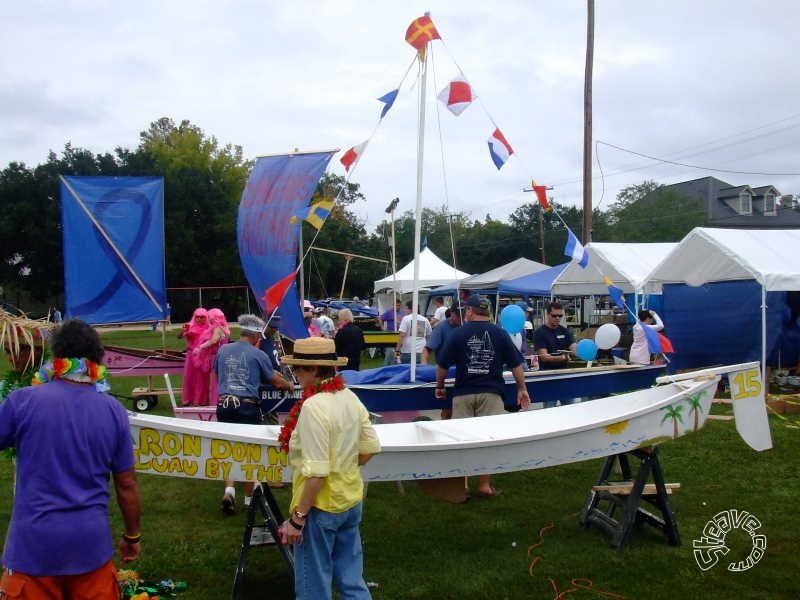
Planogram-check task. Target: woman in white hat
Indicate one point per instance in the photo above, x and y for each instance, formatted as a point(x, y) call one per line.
point(327, 435)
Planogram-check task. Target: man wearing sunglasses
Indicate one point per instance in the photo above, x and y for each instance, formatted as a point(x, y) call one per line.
point(553, 341)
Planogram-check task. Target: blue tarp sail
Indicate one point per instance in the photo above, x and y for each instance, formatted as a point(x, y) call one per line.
point(113, 236)
point(278, 188)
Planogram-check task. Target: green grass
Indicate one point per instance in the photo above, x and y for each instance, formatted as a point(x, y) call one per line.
point(417, 547)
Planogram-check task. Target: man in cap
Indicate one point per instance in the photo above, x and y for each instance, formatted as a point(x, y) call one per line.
point(241, 368)
point(439, 336)
point(479, 349)
point(326, 325)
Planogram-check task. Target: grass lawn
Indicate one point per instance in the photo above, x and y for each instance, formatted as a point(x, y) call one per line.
point(417, 547)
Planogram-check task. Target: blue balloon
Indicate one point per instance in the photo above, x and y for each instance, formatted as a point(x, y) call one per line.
point(512, 319)
point(586, 350)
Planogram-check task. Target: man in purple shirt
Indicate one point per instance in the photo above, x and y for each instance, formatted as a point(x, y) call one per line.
point(70, 437)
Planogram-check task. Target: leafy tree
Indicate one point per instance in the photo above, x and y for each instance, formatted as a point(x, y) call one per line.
point(649, 212)
point(203, 185)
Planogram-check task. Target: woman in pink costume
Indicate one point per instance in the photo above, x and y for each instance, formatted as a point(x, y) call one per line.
point(195, 384)
point(207, 349)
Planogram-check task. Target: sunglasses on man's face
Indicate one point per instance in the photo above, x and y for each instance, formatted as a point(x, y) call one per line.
point(557, 315)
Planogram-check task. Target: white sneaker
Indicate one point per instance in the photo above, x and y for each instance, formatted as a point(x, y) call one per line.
point(261, 536)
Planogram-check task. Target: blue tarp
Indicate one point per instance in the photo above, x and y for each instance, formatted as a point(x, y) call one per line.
point(720, 323)
point(393, 374)
point(113, 236)
point(537, 284)
point(278, 188)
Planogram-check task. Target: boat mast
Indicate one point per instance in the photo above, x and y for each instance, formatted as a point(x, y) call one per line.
point(423, 62)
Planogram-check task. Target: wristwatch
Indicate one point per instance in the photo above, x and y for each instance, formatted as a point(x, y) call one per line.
point(299, 515)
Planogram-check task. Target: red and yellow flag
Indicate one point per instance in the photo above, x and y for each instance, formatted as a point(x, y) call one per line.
point(541, 195)
point(420, 32)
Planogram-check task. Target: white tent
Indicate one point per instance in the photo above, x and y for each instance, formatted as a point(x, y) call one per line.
point(627, 265)
point(490, 279)
point(770, 257)
point(433, 271)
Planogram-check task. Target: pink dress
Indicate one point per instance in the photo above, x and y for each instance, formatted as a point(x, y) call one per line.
point(221, 329)
point(195, 382)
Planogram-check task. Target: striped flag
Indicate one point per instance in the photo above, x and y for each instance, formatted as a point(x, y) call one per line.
point(499, 148)
point(575, 250)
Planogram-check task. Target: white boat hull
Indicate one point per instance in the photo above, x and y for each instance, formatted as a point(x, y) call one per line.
point(440, 449)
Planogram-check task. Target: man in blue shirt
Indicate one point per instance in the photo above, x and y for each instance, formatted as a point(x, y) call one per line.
point(479, 349)
point(241, 368)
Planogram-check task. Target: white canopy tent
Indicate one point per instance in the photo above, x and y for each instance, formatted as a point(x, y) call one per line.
point(433, 272)
point(770, 257)
point(627, 265)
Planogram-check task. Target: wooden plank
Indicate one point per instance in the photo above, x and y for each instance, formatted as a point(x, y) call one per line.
point(624, 488)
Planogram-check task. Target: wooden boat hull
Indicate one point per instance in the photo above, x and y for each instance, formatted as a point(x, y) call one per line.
point(439, 449)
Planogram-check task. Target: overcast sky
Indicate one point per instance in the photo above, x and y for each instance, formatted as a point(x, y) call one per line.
point(711, 83)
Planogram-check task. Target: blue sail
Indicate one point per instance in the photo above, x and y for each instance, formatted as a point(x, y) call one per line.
point(278, 188)
point(113, 237)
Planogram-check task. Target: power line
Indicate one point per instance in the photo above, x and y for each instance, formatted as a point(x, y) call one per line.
point(705, 168)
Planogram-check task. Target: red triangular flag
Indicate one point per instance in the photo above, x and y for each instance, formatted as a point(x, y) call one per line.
point(541, 195)
point(666, 345)
point(275, 293)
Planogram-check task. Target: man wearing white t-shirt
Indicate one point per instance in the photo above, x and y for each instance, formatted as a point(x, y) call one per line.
point(423, 334)
point(438, 314)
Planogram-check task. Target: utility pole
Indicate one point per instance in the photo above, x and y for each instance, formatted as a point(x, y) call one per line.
point(587, 125)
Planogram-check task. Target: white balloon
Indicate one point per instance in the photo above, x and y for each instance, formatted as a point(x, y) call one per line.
point(607, 336)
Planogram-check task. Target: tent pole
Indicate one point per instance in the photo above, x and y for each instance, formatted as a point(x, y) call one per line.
point(764, 339)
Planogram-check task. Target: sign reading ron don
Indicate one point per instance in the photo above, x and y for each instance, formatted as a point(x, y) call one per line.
point(181, 454)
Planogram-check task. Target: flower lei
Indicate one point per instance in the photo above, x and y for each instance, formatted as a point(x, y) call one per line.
point(79, 370)
point(334, 384)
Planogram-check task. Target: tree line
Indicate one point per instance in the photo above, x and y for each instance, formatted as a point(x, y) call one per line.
point(203, 183)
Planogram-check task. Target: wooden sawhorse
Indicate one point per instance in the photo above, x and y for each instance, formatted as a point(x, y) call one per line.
point(627, 496)
point(270, 517)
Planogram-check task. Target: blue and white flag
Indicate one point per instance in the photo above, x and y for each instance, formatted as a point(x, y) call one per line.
point(575, 250)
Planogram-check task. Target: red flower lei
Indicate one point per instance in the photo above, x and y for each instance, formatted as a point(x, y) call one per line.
point(334, 384)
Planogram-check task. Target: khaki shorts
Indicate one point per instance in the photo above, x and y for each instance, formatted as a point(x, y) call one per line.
point(100, 584)
point(477, 405)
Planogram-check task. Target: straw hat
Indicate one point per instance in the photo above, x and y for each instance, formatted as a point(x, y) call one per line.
point(315, 351)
